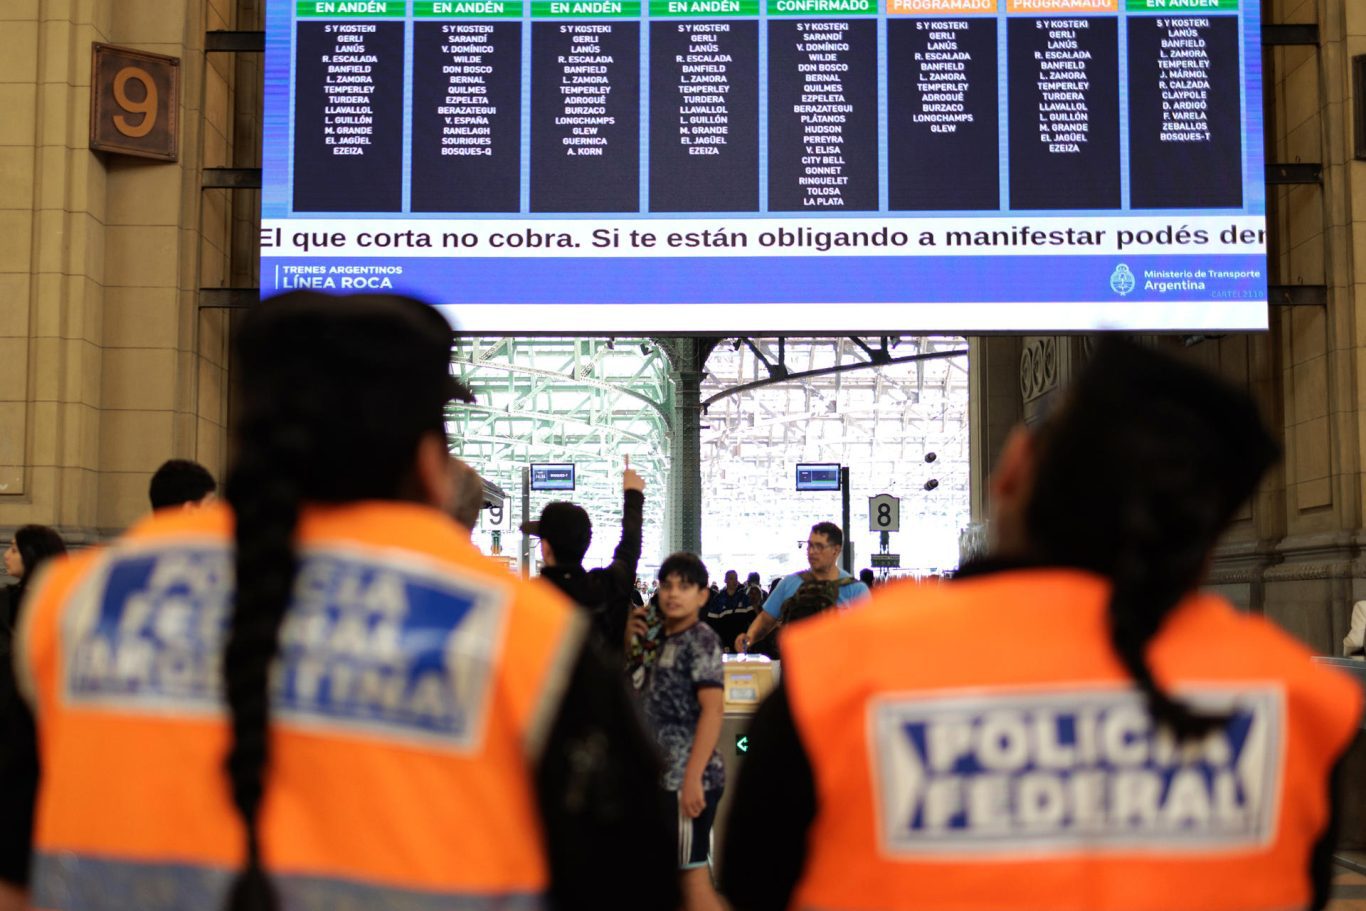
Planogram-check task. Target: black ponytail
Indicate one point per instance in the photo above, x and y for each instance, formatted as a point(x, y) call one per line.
point(335, 395)
point(1137, 476)
point(1152, 572)
point(264, 492)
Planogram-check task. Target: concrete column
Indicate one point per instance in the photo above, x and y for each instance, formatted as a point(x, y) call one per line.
point(994, 407)
point(685, 475)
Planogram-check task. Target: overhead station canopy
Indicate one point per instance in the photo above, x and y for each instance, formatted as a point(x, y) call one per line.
point(589, 402)
point(882, 422)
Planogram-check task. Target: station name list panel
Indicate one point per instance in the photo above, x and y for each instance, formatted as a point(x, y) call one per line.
point(560, 107)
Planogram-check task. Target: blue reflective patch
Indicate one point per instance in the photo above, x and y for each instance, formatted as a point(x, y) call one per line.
point(151, 630)
point(392, 646)
point(1032, 773)
point(373, 646)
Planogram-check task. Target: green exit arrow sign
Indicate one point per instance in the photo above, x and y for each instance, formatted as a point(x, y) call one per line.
point(741, 744)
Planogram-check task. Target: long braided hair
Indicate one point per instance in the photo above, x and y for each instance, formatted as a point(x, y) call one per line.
point(1138, 474)
point(335, 395)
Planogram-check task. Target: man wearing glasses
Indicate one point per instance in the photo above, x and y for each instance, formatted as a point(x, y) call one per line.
point(823, 548)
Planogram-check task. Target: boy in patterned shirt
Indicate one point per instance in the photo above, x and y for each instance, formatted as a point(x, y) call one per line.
point(683, 705)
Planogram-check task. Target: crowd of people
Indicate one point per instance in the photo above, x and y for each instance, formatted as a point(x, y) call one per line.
point(314, 692)
point(178, 483)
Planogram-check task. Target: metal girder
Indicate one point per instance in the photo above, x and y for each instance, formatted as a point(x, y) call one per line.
point(495, 415)
point(1298, 295)
point(228, 298)
point(1297, 34)
point(563, 450)
point(1283, 173)
point(231, 179)
point(573, 380)
point(589, 401)
point(838, 406)
point(836, 369)
point(235, 41)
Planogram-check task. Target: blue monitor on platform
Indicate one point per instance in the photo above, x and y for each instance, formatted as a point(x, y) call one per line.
point(818, 476)
point(552, 476)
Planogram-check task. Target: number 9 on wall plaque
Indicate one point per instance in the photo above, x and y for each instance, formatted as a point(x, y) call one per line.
point(135, 97)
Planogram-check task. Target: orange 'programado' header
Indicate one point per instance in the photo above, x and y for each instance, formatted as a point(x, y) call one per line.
point(940, 7)
point(1063, 6)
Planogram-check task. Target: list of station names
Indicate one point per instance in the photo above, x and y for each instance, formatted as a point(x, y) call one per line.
point(1184, 85)
point(1185, 133)
point(943, 151)
point(822, 115)
point(1064, 113)
point(467, 114)
point(704, 115)
point(585, 114)
point(348, 117)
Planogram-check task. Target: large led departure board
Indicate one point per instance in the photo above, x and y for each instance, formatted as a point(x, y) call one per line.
point(772, 166)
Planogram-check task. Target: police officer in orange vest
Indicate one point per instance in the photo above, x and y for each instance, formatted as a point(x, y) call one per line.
point(320, 695)
point(1068, 726)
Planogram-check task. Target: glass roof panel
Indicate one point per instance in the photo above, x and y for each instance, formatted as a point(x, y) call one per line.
point(593, 402)
point(882, 422)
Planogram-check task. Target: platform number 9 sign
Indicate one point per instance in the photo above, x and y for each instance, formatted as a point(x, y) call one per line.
point(134, 103)
point(147, 106)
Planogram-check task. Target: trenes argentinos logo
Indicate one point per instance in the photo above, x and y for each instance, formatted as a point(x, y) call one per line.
point(1029, 774)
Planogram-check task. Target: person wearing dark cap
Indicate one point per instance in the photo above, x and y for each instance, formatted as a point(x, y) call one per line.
point(565, 532)
point(1069, 724)
point(317, 693)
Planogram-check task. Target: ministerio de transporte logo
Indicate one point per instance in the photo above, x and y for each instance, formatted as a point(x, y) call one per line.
point(1122, 280)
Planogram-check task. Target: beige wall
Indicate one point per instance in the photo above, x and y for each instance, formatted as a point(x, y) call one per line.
point(107, 367)
point(1309, 371)
point(1296, 553)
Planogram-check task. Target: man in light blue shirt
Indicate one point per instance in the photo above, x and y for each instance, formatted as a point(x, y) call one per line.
point(823, 548)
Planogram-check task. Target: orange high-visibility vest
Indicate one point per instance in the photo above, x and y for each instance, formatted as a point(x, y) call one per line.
point(977, 747)
point(411, 686)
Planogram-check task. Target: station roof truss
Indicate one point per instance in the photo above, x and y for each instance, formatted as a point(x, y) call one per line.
point(592, 402)
point(877, 405)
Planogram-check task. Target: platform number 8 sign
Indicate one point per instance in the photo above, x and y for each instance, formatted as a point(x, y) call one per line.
point(134, 103)
point(884, 513)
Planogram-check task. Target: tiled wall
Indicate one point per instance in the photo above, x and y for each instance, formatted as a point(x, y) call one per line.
point(107, 368)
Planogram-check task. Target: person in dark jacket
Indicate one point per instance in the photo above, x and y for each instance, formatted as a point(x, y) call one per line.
point(31, 545)
point(730, 610)
point(565, 532)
